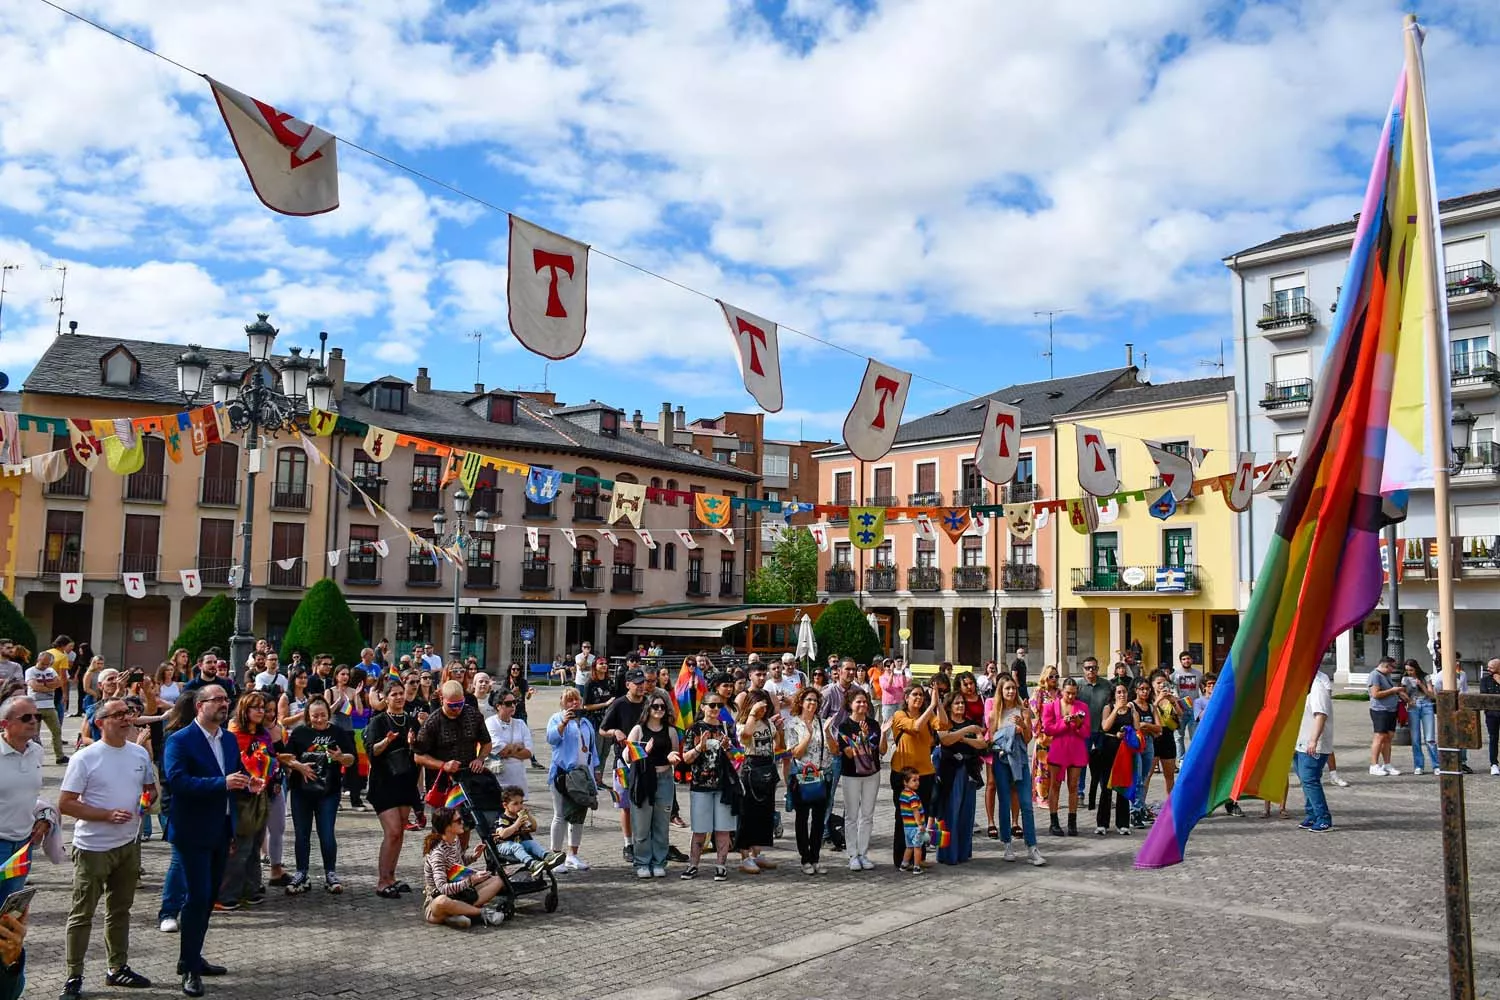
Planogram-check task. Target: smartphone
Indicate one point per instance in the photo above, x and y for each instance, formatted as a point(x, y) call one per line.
point(18, 902)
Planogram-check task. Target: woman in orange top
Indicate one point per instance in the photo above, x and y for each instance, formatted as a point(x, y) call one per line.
point(912, 731)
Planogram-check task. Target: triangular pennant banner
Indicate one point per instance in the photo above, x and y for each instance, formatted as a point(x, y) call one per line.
point(999, 450)
point(1165, 505)
point(50, 466)
point(83, 444)
point(873, 420)
point(547, 288)
point(820, 534)
point(646, 538)
point(322, 422)
point(728, 534)
point(571, 537)
point(610, 537)
point(759, 355)
point(293, 166)
point(1176, 472)
point(627, 502)
point(1096, 468)
point(954, 521)
point(542, 484)
point(533, 538)
point(135, 584)
point(379, 443)
point(382, 548)
point(70, 587)
point(1109, 510)
point(333, 557)
point(124, 461)
point(1021, 519)
point(1083, 515)
point(686, 537)
point(1240, 492)
point(288, 563)
point(192, 584)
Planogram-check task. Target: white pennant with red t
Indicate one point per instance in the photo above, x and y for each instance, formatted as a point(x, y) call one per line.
point(547, 288)
point(1176, 472)
point(70, 586)
point(1238, 497)
point(533, 538)
point(871, 425)
point(759, 354)
point(191, 583)
point(999, 449)
point(1096, 469)
point(571, 537)
point(646, 538)
point(819, 531)
point(293, 166)
point(135, 584)
point(686, 537)
point(610, 537)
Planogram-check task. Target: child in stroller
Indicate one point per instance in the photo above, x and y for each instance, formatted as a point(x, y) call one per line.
point(513, 835)
point(506, 838)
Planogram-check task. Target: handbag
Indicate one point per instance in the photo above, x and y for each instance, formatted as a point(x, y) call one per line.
point(808, 780)
point(398, 758)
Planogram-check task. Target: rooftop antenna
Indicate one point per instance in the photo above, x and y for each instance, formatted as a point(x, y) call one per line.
point(478, 337)
point(62, 290)
point(1050, 354)
point(5, 270)
point(1216, 365)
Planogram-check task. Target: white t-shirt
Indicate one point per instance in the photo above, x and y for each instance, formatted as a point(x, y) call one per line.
point(785, 690)
point(35, 676)
point(107, 777)
point(1319, 702)
point(512, 769)
point(583, 666)
point(433, 661)
point(265, 678)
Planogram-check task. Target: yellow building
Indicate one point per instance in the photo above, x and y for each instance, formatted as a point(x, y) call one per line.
point(1117, 585)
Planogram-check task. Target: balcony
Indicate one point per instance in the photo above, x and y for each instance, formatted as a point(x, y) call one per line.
point(1285, 318)
point(361, 567)
point(1473, 374)
point(213, 571)
point(627, 578)
point(536, 576)
point(482, 574)
point(729, 585)
point(1020, 576)
point(970, 578)
point(422, 568)
point(1021, 493)
point(214, 491)
point(539, 512)
point(931, 498)
point(971, 496)
point(287, 579)
point(373, 486)
point(697, 582)
point(839, 580)
point(924, 579)
point(1288, 398)
point(144, 563)
point(1137, 580)
point(48, 566)
point(1480, 466)
point(586, 507)
point(146, 487)
point(1277, 488)
point(290, 496)
point(886, 500)
point(1470, 286)
point(588, 577)
point(881, 579)
point(75, 483)
point(424, 496)
point(1479, 555)
point(1157, 483)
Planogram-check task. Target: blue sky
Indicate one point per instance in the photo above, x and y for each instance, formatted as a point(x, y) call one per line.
point(910, 180)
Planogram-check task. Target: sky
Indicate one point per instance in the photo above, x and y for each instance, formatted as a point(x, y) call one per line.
point(912, 180)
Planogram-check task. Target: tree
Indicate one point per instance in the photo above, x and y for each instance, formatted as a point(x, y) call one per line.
point(842, 629)
point(211, 626)
point(323, 623)
point(791, 577)
point(14, 626)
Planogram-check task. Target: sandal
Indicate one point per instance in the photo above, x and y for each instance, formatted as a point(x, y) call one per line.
point(1015, 831)
point(993, 833)
point(389, 892)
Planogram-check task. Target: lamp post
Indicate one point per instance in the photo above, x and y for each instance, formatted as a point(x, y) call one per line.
point(462, 538)
point(254, 406)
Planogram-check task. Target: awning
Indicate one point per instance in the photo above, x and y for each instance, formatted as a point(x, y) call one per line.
point(679, 627)
point(469, 606)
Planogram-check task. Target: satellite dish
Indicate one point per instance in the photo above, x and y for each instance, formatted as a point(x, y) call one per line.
point(4, 381)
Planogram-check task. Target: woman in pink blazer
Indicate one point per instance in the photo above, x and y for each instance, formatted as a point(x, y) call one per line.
point(1066, 720)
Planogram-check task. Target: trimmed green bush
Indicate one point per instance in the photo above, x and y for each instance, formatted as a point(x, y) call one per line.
point(211, 626)
point(14, 626)
point(323, 623)
point(842, 629)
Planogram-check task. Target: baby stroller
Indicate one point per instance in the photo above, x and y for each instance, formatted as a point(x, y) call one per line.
point(484, 809)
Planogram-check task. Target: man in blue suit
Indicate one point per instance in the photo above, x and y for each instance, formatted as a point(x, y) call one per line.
point(202, 769)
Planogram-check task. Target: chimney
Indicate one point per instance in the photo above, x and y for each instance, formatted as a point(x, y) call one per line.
point(479, 388)
point(336, 372)
point(424, 383)
point(664, 426)
point(1129, 355)
point(635, 421)
point(682, 418)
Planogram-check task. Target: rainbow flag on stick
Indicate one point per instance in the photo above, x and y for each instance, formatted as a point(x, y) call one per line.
point(145, 800)
point(939, 834)
point(257, 762)
point(19, 865)
point(456, 798)
point(1322, 573)
point(460, 872)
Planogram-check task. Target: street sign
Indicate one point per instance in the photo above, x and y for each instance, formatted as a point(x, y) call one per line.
point(528, 634)
point(904, 634)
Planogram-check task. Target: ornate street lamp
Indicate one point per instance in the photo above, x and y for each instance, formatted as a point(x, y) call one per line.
point(463, 539)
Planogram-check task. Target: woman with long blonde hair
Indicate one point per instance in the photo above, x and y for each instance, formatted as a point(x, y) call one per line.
point(1047, 691)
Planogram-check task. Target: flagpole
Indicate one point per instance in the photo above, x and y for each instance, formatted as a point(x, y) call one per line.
point(1451, 789)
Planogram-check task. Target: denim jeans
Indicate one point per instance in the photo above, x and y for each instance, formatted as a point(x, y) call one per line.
point(307, 811)
point(1144, 761)
point(650, 824)
point(1186, 726)
point(173, 889)
point(1310, 773)
point(1422, 719)
point(8, 849)
point(1004, 782)
point(520, 851)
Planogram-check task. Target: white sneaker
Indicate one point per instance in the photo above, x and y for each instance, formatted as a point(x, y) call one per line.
point(643, 872)
point(1390, 770)
point(169, 925)
point(493, 916)
point(1334, 777)
point(1378, 770)
point(1010, 850)
point(855, 866)
point(1495, 769)
point(658, 871)
point(820, 869)
point(1416, 770)
point(1035, 857)
point(576, 864)
point(866, 863)
point(808, 870)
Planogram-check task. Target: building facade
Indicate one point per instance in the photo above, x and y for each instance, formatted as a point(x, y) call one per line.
point(1284, 300)
point(1112, 593)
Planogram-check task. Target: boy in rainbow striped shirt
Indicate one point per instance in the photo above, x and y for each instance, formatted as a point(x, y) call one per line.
point(913, 822)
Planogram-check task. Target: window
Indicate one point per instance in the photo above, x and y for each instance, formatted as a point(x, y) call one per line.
point(695, 582)
point(771, 496)
point(794, 470)
point(390, 398)
point(926, 552)
point(693, 521)
point(1070, 630)
point(586, 494)
point(1106, 553)
point(1023, 554)
point(927, 477)
point(426, 474)
point(421, 563)
point(609, 423)
point(291, 479)
point(747, 447)
point(1114, 459)
point(150, 483)
point(1471, 351)
point(653, 558)
point(924, 628)
point(60, 551)
point(363, 562)
point(968, 474)
point(1470, 250)
point(1026, 468)
point(1292, 367)
point(972, 551)
point(1178, 448)
point(119, 368)
point(669, 556)
point(625, 553)
point(726, 574)
point(671, 489)
point(842, 552)
point(724, 455)
point(502, 410)
point(1177, 546)
point(1290, 444)
point(884, 478)
point(215, 550)
point(843, 487)
point(885, 555)
point(1287, 288)
point(142, 543)
point(1016, 630)
point(286, 543)
point(221, 474)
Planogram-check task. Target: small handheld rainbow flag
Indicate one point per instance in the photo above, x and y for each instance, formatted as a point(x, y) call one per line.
point(620, 777)
point(145, 800)
point(346, 707)
point(460, 871)
point(393, 673)
point(257, 762)
point(19, 865)
point(940, 834)
point(634, 752)
point(456, 798)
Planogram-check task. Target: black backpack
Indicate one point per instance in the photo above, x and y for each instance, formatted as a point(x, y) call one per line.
point(836, 832)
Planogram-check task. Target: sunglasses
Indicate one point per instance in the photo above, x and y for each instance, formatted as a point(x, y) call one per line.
point(509, 701)
point(713, 704)
point(26, 717)
point(453, 704)
point(111, 715)
point(658, 708)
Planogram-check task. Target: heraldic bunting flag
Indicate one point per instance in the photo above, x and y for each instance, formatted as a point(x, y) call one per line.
point(293, 166)
point(1321, 573)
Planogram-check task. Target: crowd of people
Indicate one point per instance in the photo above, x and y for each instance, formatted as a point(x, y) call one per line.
point(227, 759)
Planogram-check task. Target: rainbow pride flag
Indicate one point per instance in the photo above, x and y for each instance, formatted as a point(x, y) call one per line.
point(460, 871)
point(688, 692)
point(634, 752)
point(456, 798)
point(1321, 572)
point(939, 834)
point(257, 762)
point(346, 707)
point(19, 865)
point(145, 802)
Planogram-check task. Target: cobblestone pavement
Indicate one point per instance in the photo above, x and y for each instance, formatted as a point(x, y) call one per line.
point(1260, 909)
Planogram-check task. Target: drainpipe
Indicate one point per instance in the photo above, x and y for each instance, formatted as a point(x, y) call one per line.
point(1249, 439)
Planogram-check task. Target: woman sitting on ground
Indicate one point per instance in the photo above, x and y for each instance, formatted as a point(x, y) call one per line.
point(455, 894)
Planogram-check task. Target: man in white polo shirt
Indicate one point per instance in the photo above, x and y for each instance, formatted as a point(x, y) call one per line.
point(20, 783)
point(102, 791)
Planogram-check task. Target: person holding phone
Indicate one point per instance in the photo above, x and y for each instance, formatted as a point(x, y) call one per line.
point(913, 732)
point(574, 745)
point(389, 738)
point(317, 753)
point(650, 817)
point(1066, 720)
point(960, 744)
point(12, 954)
point(861, 742)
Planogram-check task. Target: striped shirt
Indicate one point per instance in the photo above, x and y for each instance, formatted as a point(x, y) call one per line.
point(910, 806)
